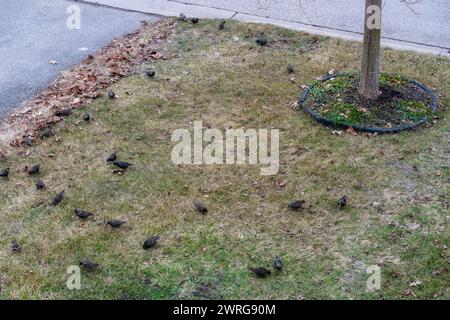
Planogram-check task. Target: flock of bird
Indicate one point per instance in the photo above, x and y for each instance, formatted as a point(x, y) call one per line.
point(151, 242)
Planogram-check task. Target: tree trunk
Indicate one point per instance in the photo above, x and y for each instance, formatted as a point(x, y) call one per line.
point(370, 68)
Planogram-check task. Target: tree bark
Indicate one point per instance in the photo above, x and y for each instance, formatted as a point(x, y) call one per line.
point(370, 67)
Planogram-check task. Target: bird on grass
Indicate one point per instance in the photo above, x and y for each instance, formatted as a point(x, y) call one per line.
point(342, 202)
point(277, 264)
point(46, 133)
point(58, 198)
point(261, 272)
point(200, 207)
point(122, 164)
point(86, 117)
point(90, 265)
point(111, 94)
point(4, 173)
point(112, 157)
point(114, 223)
point(40, 185)
point(222, 25)
point(296, 205)
point(15, 247)
point(182, 17)
point(290, 68)
point(150, 242)
point(262, 40)
point(27, 141)
point(150, 73)
point(83, 214)
point(34, 170)
point(195, 20)
point(63, 112)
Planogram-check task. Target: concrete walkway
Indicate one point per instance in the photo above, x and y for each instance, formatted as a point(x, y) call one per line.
point(424, 29)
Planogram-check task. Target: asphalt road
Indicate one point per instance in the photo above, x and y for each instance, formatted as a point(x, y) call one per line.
point(34, 32)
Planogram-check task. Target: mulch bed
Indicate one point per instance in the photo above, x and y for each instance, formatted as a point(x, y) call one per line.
point(402, 103)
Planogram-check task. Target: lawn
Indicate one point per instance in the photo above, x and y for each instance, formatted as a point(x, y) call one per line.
point(397, 186)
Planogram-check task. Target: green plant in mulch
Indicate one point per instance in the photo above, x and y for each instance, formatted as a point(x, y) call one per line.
point(401, 102)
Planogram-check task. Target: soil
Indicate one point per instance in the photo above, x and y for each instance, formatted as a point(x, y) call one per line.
point(401, 102)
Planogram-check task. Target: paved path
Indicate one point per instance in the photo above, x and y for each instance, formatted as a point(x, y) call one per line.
point(425, 30)
point(33, 32)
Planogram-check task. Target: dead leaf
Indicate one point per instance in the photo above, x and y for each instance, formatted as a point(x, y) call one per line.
point(352, 131)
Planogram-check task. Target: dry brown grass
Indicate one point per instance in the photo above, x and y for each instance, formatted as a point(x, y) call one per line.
point(224, 79)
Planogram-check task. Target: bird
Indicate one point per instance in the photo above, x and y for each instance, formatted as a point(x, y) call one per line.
point(290, 68)
point(4, 173)
point(46, 133)
point(182, 17)
point(150, 242)
point(34, 170)
point(83, 214)
point(27, 141)
point(277, 264)
point(111, 94)
point(40, 185)
point(58, 198)
point(261, 272)
point(90, 265)
point(122, 164)
point(63, 112)
point(150, 73)
point(296, 205)
point(86, 117)
point(222, 25)
point(200, 207)
point(195, 20)
point(112, 157)
point(342, 202)
point(116, 223)
point(15, 247)
point(262, 40)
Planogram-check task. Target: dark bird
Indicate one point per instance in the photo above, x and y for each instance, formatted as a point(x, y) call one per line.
point(296, 205)
point(40, 185)
point(46, 133)
point(63, 112)
point(86, 117)
point(83, 214)
point(15, 247)
point(262, 40)
point(150, 242)
point(290, 68)
point(4, 173)
point(150, 73)
point(342, 202)
point(34, 170)
point(182, 17)
point(90, 265)
point(222, 25)
point(122, 164)
point(195, 20)
point(116, 223)
point(261, 272)
point(112, 157)
point(277, 264)
point(111, 94)
point(200, 207)
point(58, 198)
point(27, 141)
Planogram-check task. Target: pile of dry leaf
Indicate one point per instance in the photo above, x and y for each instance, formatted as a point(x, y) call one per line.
point(83, 83)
